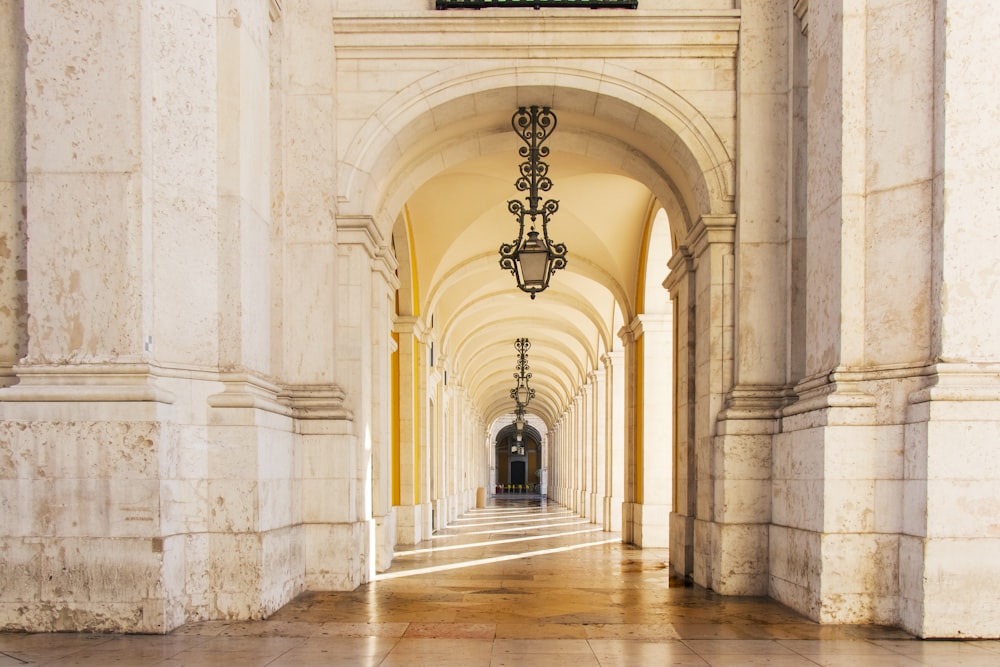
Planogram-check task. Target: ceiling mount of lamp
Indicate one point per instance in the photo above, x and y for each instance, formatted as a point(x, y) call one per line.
point(533, 257)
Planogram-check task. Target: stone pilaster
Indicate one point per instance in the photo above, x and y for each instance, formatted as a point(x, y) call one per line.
point(950, 547)
point(600, 456)
point(837, 464)
point(413, 514)
point(585, 449)
point(652, 335)
point(384, 285)
point(711, 246)
point(741, 458)
point(680, 283)
point(614, 439)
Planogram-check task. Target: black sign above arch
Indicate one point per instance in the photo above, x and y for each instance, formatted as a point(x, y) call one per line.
point(537, 4)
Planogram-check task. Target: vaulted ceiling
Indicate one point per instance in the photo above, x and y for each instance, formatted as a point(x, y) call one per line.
point(455, 223)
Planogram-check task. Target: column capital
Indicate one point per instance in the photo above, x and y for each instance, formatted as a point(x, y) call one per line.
point(646, 323)
point(627, 334)
point(359, 230)
point(681, 264)
point(409, 324)
point(610, 358)
point(654, 322)
point(711, 230)
point(384, 264)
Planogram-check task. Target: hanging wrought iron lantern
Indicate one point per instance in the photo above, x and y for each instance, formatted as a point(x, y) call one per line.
point(522, 393)
point(533, 257)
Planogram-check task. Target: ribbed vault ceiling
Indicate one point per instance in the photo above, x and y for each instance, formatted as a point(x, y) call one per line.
point(457, 220)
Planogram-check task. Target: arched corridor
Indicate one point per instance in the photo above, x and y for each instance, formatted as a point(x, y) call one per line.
point(260, 334)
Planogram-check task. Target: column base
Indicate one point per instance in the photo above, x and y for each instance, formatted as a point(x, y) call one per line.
point(439, 518)
point(649, 525)
point(336, 555)
point(613, 514)
point(385, 540)
point(412, 523)
point(681, 545)
point(596, 508)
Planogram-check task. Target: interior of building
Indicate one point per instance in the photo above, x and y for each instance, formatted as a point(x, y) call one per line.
point(289, 286)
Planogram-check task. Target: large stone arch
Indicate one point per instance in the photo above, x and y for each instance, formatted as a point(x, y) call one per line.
point(451, 116)
point(641, 126)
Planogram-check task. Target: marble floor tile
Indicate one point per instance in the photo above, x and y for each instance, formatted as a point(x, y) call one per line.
point(521, 583)
point(541, 631)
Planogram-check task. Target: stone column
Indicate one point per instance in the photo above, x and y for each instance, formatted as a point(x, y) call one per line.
point(651, 336)
point(633, 453)
point(741, 460)
point(950, 547)
point(711, 246)
point(580, 478)
point(561, 463)
point(384, 285)
point(556, 461)
point(614, 439)
point(544, 462)
point(568, 436)
point(680, 282)
point(837, 464)
point(414, 510)
point(599, 478)
point(586, 444)
point(437, 428)
point(117, 179)
point(337, 469)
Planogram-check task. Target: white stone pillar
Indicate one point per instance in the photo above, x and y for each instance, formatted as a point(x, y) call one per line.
point(561, 461)
point(259, 517)
point(599, 475)
point(680, 282)
point(556, 461)
point(414, 509)
point(632, 454)
point(950, 547)
point(384, 285)
point(436, 428)
point(837, 463)
point(586, 442)
point(711, 245)
point(614, 440)
point(741, 458)
point(652, 338)
point(337, 484)
point(103, 92)
point(579, 454)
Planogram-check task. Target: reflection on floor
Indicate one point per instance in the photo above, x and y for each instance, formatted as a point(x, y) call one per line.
point(520, 583)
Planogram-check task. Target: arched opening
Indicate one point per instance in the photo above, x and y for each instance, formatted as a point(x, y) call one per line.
point(602, 339)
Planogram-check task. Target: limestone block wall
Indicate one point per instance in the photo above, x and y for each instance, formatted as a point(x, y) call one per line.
point(149, 475)
point(950, 541)
point(82, 537)
point(882, 470)
point(838, 462)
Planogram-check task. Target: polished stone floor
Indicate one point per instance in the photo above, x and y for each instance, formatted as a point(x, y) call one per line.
point(520, 583)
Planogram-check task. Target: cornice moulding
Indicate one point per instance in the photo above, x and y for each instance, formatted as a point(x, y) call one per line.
point(691, 34)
